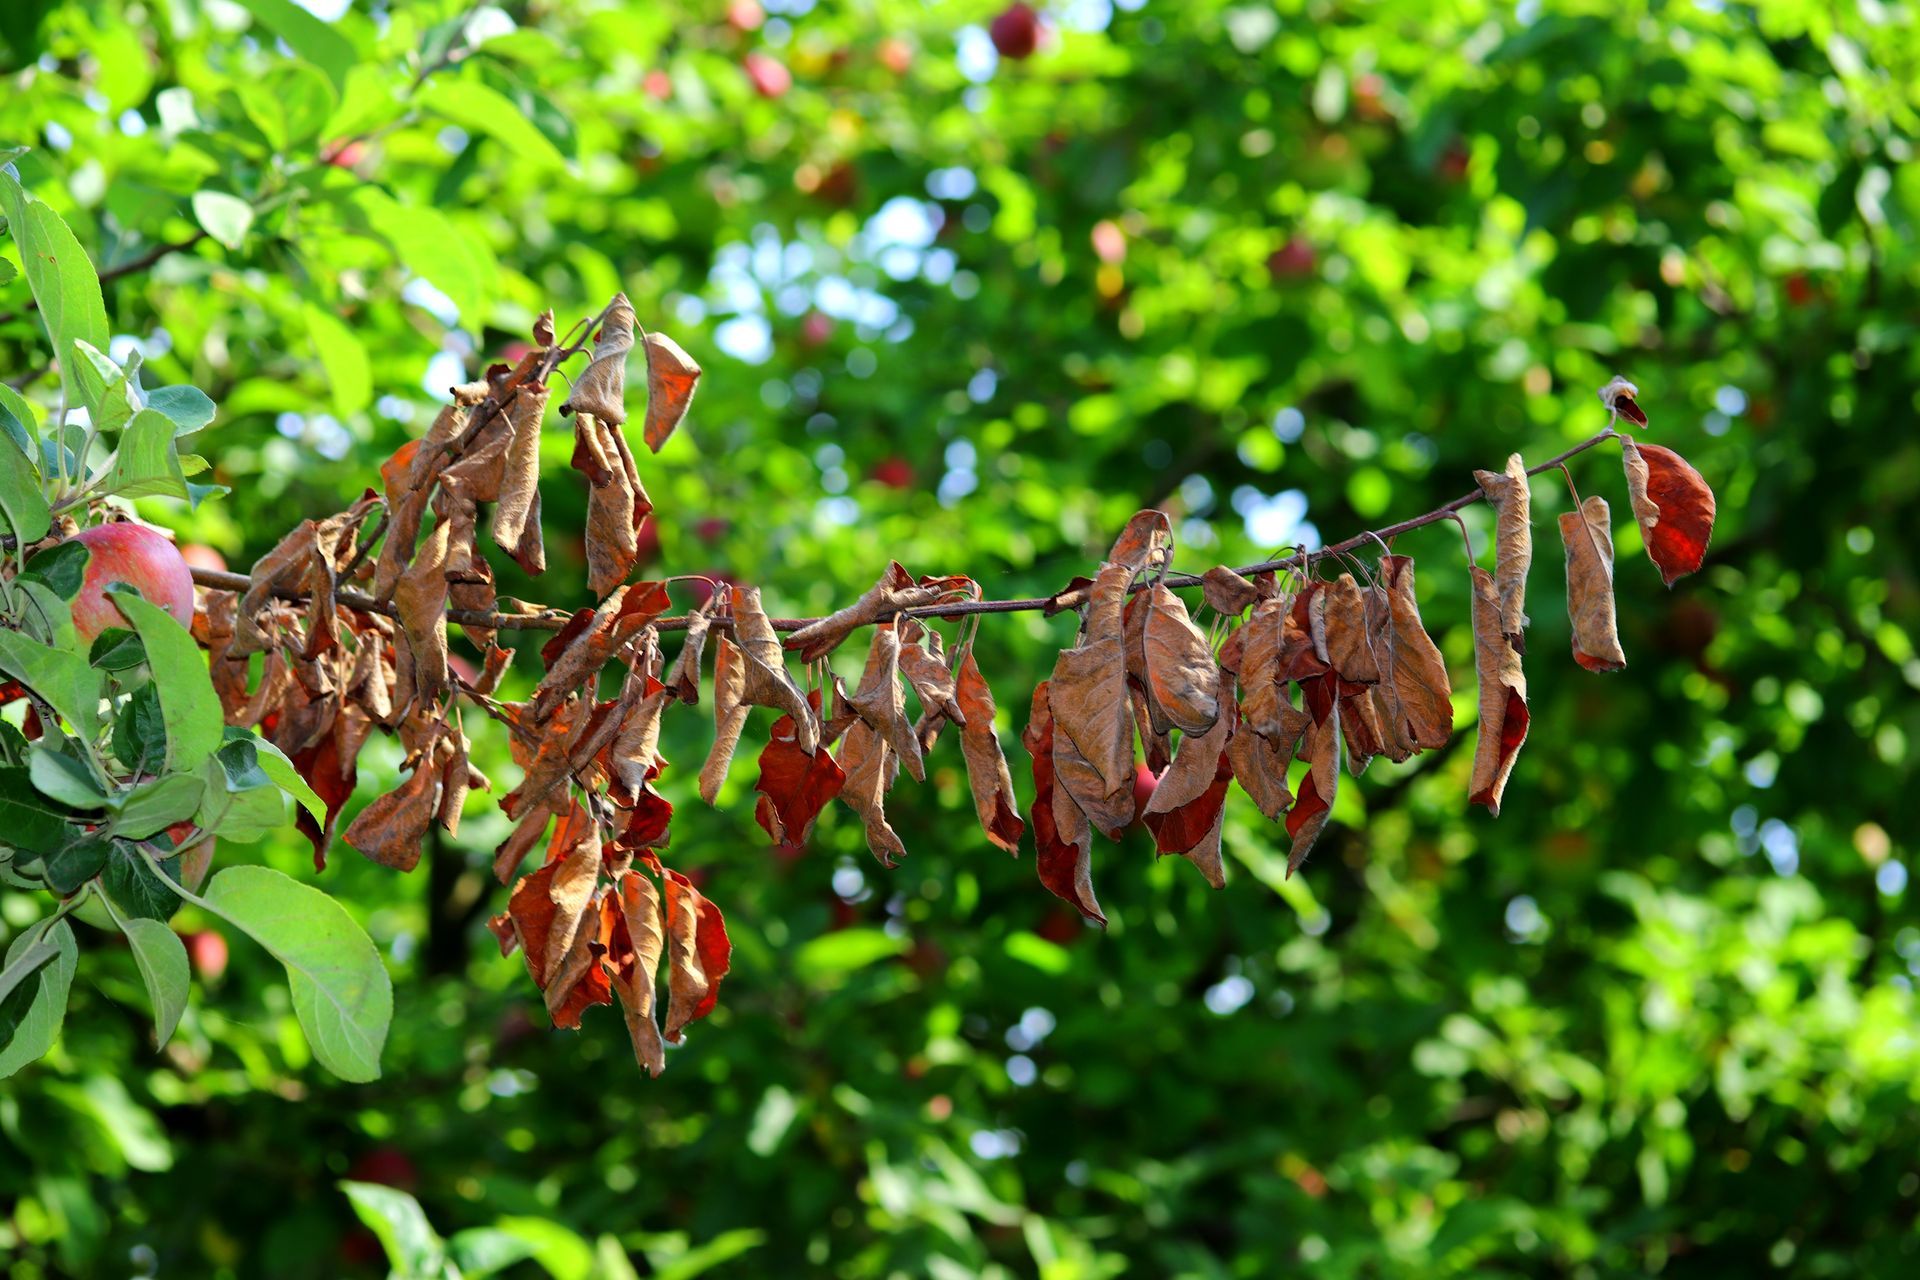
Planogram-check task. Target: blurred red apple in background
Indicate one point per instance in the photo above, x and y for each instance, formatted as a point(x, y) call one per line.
point(769, 75)
point(199, 555)
point(1016, 32)
point(142, 558)
point(344, 154)
point(896, 55)
point(816, 329)
point(1294, 260)
point(895, 472)
point(207, 951)
point(745, 15)
point(711, 528)
point(1145, 783)
point(658, 85)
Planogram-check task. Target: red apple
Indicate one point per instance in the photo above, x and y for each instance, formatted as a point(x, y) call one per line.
point(658, 85)
point(816, 329)
point(1145, 783)
point(345, 154)
point(647, 541)
point(1800, 290)
point(769, 75)
point(208, 952)
point(142, 558)
point(1294, 260)
point(711, 528)
point(1109, 241)
point(895, 472)
point(199, 555)
point(1455, 162)
point(387, 1165)
point(1016, 32)
point(896, 55)
point(745, 15)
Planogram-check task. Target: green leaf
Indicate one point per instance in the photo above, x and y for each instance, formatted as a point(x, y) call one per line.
point(62, 277)
point(23, 508)
point(19, 421)
point(116, 649)
point(559, 1250)
point(135, 889)
point(241, 801)
point(833, 955)
point(162, 958)
point(28, 820)
point(188, 408)
point(140, 730)
point(275, 764)
point(188, 703)
point(48, 618)
point(224, 217)
point(478, 109)
point(61, 567)
point(348, 374)
point(28, 1032)
point(63, 779)
point(111, 394)
point(291, 105)
point(157, 805)
point(307, 36)
point(76, 862)
point(145, 464)
point(414, 1249)
point(429, 245)
point(63, 679)
point(341, 991)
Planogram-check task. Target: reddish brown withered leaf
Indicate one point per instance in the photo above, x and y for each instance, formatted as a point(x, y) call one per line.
point(882, 704)
point(1512, 499)
point(392, 830)
point(1188, 805)
point(794, 786)
point(616, 502)
point(1503, 697)
point(620, 617)
point(421, 600)
point(1588, 535)
point(1354, 647)
point(869, 765)
point(699, 953)
point(1673, 505)
point(1093, 761)
point(895, 590)
point(602, 388)
point(1182, 680)
point(729, 716)
point(633, 963)
point(766, 682)
point(1314, 805)
point(1064, 858)
point(987, 773)
point(1226, 592)
point(672, 375)
point(1418, 694)
point(516, 516)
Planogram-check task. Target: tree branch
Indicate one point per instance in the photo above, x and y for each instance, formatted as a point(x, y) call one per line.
point(555, 619)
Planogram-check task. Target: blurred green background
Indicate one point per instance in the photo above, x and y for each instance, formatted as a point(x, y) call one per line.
point(1284, 271)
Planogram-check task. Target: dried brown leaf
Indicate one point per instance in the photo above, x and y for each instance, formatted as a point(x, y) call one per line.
point(1511, 497)
point(882, 703)
point(516, 516)
point(1419, 695)
point(1314, 805)
point(1185, 811)
point(1503, 697)
point(1182, 679)
point(767, 683)
point(1064, 853)
point(421, 601)
point(987, 773)
point(672, 375)
point(1354, 647)
point(1588, 535)
point(602, 388)
point(1226, 592)
point(895, 590)
point(392, 829)
point(1673, 506)
point(699, 953)
point(634, 963)
point(729, 716)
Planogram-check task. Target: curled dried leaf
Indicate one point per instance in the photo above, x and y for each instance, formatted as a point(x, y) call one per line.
point(616, 502)
point(516, 516)
point(882, 704)
point(421, 601)
point(987, 773)
point(699, 953)
point(1226, 592)
point(1588, 535)
point(633, 963)
point(1673, 506)
point(602, 388)
point(619, 619)
point(1354, 647)
point(1182, 680)
point(1188, 804)
point(672, 375)
point(869, 765)
point(1314, 805)
point(895, 590)
point(767, 683)
point(729, 716)
point(794, 786)
point(1503, 697)
point(1064, 853)
point(1418, 694)
point(392, 829)
point(1513, 545)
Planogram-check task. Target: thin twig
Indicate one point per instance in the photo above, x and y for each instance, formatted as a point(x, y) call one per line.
point(555, 619)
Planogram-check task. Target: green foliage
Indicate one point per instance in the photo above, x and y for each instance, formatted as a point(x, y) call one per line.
point(1263, 266)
